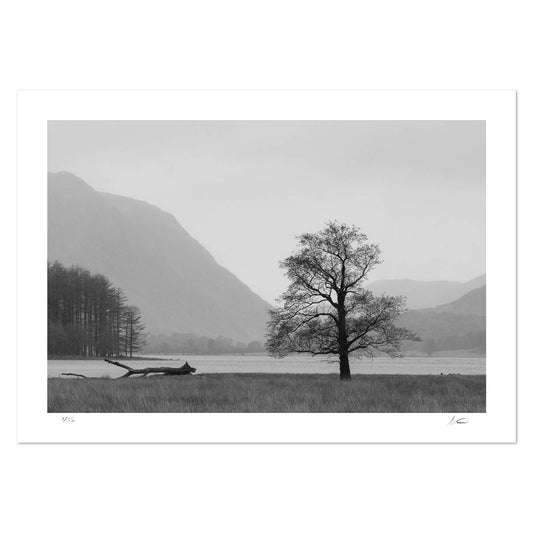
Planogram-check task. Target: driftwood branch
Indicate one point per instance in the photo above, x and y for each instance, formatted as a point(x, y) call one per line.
point(184, 370)
point(75, 375)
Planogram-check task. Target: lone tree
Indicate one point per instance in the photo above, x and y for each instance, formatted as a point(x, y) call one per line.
point(326, 310)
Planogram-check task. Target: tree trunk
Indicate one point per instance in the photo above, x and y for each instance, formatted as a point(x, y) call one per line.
point(344, 366)
point(344, 361)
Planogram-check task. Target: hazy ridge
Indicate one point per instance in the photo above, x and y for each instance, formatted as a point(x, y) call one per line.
point(176, 282)
point(425, 294)
point(459, 324)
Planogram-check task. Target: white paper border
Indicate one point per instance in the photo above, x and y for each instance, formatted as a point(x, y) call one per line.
point(497, 108)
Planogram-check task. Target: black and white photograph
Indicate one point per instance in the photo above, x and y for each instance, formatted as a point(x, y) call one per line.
point(212, 266)
point(266, 266)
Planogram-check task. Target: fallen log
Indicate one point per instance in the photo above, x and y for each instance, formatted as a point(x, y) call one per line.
point(184, 370)
point(75, 375)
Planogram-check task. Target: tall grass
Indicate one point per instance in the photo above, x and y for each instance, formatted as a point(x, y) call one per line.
point(269, 393)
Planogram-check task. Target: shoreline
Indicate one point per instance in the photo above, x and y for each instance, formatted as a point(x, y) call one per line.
point(279, 374)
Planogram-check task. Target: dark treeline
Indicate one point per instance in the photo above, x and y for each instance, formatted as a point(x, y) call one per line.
point(471, 341)
point(188, 343)
point(88, 316)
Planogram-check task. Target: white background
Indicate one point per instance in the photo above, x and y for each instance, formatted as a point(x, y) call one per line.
point(399, 45)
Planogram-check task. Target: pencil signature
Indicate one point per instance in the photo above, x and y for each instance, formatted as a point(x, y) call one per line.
point(461, 420)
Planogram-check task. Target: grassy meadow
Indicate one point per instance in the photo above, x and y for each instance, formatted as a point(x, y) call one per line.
point(269, 393)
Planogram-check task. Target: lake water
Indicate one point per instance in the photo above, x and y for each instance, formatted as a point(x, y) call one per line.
point(293, 364)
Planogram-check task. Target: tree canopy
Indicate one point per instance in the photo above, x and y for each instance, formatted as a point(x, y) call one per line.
point(326, 310)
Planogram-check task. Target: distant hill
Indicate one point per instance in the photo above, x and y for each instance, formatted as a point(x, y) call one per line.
point(457, 325)
point(176, 283)
point(424, 294)
point(472, 303)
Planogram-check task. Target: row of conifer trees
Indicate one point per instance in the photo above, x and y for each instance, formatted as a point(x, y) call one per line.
point(88, 316)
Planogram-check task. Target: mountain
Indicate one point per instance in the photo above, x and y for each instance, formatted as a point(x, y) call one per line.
point(176, 283)
point(457, 325)
point(472, 303)
point(424, 294)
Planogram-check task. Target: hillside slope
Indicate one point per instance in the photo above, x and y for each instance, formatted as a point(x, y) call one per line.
point(424, 294)
point(177, 284)
point(472, 303)
point(459, 324)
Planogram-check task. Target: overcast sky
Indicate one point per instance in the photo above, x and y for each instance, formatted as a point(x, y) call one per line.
point(244, 189)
